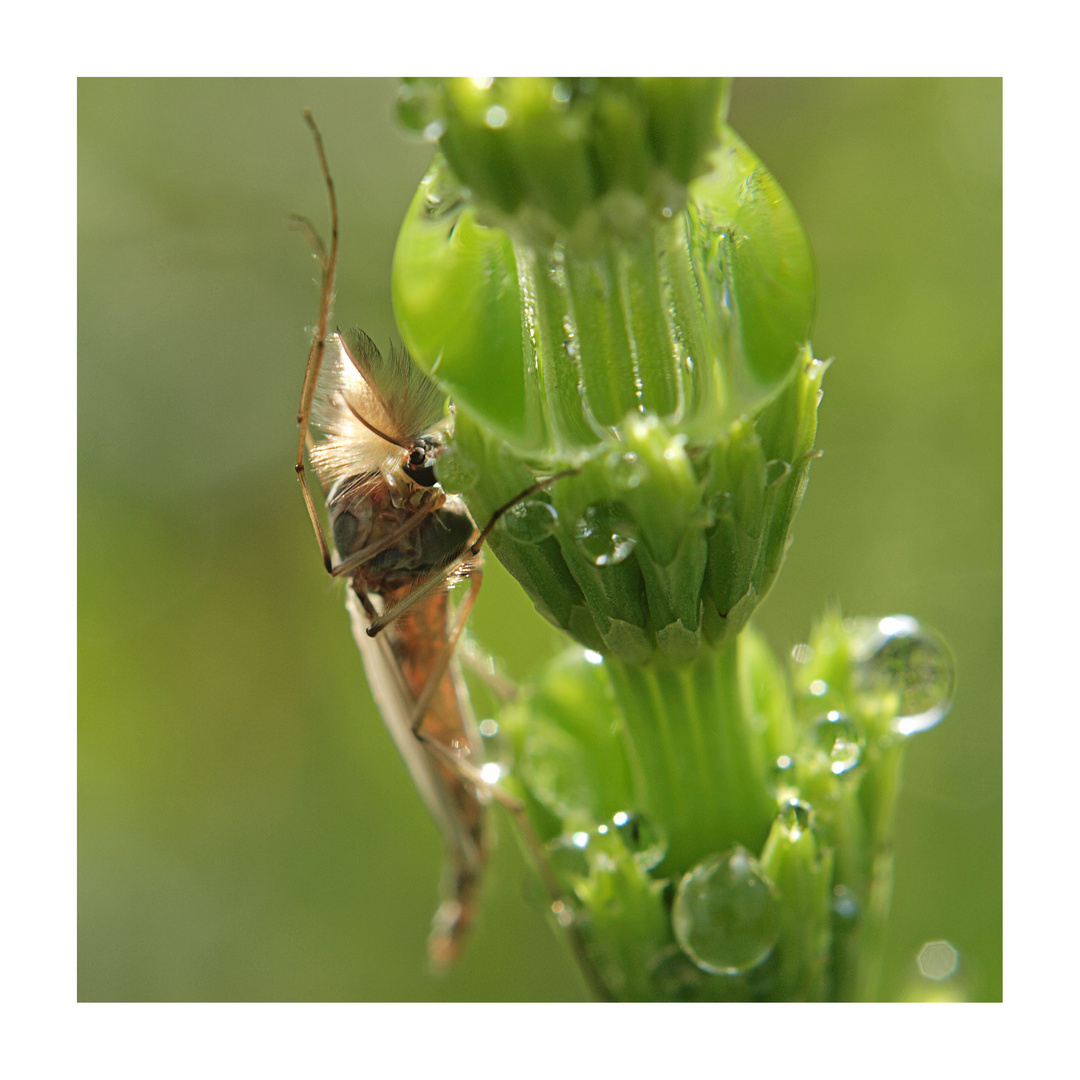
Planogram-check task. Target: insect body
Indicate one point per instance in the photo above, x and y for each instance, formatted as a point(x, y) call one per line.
point(373, 428)
point(396, 531)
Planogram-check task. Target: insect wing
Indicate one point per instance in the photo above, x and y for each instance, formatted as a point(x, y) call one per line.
point(396, 705)
point(340, 443)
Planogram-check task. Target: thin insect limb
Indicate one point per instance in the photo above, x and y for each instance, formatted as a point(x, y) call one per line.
point(473, 775)
point(365, 554)
point(482, 664)
point(532, 490)
point(470, 551)
point(318, 346)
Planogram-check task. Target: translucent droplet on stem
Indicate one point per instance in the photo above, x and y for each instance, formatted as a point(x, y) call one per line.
point(899, 656)
point(643, 839)
point(840, 739)
point(531, 521)
point(726, 913)
point(605, 534)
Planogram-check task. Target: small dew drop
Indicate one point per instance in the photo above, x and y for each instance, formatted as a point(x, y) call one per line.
point(605, 534)
point(819, 688)
point(837, 736)
point(844, 904)
point(489, 728)
point(642, 838)
point(568, 859)
point(483, 84)
point(593, 657)
point(580, 840)
point(726, 913)
point(796, 817)
point(802, 654)
point(491, 772)
point(627, 470)
point(898, 656)
point(495, 117)
point(560, 93)
point(433, 132)
point(531, 522)
point(938, 960)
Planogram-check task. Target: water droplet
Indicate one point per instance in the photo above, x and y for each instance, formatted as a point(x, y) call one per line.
point(495, 117)
point(726, 914)
point(819, 688)
point(531, 521)
point(606, 534)
point(796, 817)
point(433, 131)
point(593, 657)
point(491, 772)
point(489, 728)
point(899, 656)
point(627, 470)
point(837, 735)
point(484, 83)
point(844, 904)
point(802, 654)
point(642, 838)
point(938, 960)
point(568, 858)
point(560, 93)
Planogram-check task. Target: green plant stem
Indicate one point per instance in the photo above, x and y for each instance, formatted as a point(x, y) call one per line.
point(706, 781)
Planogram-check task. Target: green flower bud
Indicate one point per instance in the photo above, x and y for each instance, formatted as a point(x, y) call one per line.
point(606, 279)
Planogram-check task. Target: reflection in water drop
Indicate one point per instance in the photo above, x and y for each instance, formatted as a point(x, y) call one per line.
point(495, 117)
point(796, 816)
point(802, 654)
point(819, 688)
point(489, 728)
point(839, 738)
point(605, 533)
point(627, 470)
point(642, 838)
point(531, 521)
point(899, 656)
point(726, 914)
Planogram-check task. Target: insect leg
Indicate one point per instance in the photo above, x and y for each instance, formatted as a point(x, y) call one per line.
point(463, 556)
point(328, 262)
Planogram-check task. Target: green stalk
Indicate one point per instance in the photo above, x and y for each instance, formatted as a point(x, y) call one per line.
point(706, 780)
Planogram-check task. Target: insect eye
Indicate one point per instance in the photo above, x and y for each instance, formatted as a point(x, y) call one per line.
point(420, 465)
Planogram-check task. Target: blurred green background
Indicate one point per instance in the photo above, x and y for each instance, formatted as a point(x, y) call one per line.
point(246, 829)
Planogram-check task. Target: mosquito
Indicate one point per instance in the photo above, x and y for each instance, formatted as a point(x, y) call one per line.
point(372, 428)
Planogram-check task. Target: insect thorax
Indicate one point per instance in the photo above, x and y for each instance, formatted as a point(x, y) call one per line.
point(362, 513)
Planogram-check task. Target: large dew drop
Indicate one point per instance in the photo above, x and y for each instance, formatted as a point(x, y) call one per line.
point(899, 656)
point(726, 914)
